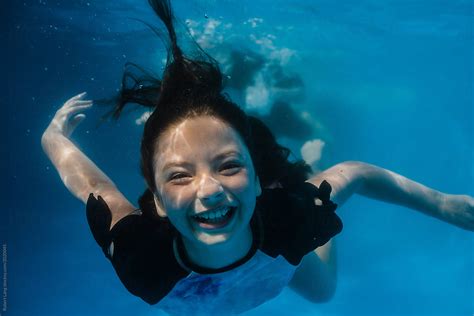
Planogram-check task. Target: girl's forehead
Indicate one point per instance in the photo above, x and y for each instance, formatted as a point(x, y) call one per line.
point(198, 130)
point(198, 137)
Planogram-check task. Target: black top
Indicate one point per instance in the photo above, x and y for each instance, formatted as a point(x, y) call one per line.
point(285, 222)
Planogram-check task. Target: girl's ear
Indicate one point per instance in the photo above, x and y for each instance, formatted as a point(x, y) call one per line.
point(159, 207)
point(258, 187)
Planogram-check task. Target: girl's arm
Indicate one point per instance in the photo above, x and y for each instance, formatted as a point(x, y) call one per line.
point(374, 182)
point(78, 173)
point(316, 276)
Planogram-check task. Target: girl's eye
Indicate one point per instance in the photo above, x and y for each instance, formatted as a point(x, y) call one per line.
point(230, 168)
point(178, 177)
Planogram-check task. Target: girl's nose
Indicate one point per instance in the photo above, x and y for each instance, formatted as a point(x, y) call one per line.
point(210, 190)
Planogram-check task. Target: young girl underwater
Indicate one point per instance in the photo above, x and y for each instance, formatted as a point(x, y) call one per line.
point(227, 220)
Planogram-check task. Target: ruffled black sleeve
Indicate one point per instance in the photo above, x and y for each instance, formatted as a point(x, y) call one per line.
point(141, 251)
point(293, 224)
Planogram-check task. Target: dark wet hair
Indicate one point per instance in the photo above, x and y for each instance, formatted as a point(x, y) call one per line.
point(191, 88)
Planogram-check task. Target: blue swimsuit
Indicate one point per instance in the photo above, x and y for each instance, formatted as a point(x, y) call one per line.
point(231, 292)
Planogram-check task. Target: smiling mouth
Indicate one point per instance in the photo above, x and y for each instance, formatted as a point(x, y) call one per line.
point(217, 218)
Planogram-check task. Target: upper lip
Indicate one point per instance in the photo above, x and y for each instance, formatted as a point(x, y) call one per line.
point(212, 210)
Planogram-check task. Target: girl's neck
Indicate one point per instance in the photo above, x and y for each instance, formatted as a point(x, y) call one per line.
point(220, 255)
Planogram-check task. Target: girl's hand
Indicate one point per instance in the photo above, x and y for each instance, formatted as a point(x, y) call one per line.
point(458, 210)
point(67, 118)
point(79, 174)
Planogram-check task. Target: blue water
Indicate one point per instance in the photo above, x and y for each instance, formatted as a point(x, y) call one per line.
point(385, 82)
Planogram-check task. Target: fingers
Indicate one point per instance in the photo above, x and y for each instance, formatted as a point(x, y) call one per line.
point(65, 113)
point(78, 108)
point(85, 102)
point(69, 116)
point(71, 124)
point(74, 105)
point(77, 97)
point(75, 121)
point(76, 100)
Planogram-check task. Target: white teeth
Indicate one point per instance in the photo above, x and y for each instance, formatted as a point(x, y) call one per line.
point(213, 214)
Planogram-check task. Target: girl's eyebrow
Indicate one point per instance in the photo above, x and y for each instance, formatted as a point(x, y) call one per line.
point(172, 164)
point(218, 157)
point(227, 154)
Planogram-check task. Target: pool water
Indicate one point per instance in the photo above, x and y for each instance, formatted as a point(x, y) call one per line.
point(385, 82)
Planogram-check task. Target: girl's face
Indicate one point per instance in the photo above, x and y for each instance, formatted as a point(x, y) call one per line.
point(206, 183)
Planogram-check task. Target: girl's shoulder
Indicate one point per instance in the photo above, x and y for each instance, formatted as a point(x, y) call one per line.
point(140, 250)
point(293, 224)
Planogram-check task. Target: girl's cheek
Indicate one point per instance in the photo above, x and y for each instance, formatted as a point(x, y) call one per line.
point(239, 180)
point(241, 183)
point(177, 196)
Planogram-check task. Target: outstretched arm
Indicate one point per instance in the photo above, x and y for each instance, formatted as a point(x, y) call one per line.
point(374, 182)
point(78, 173)
point(316, 276)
